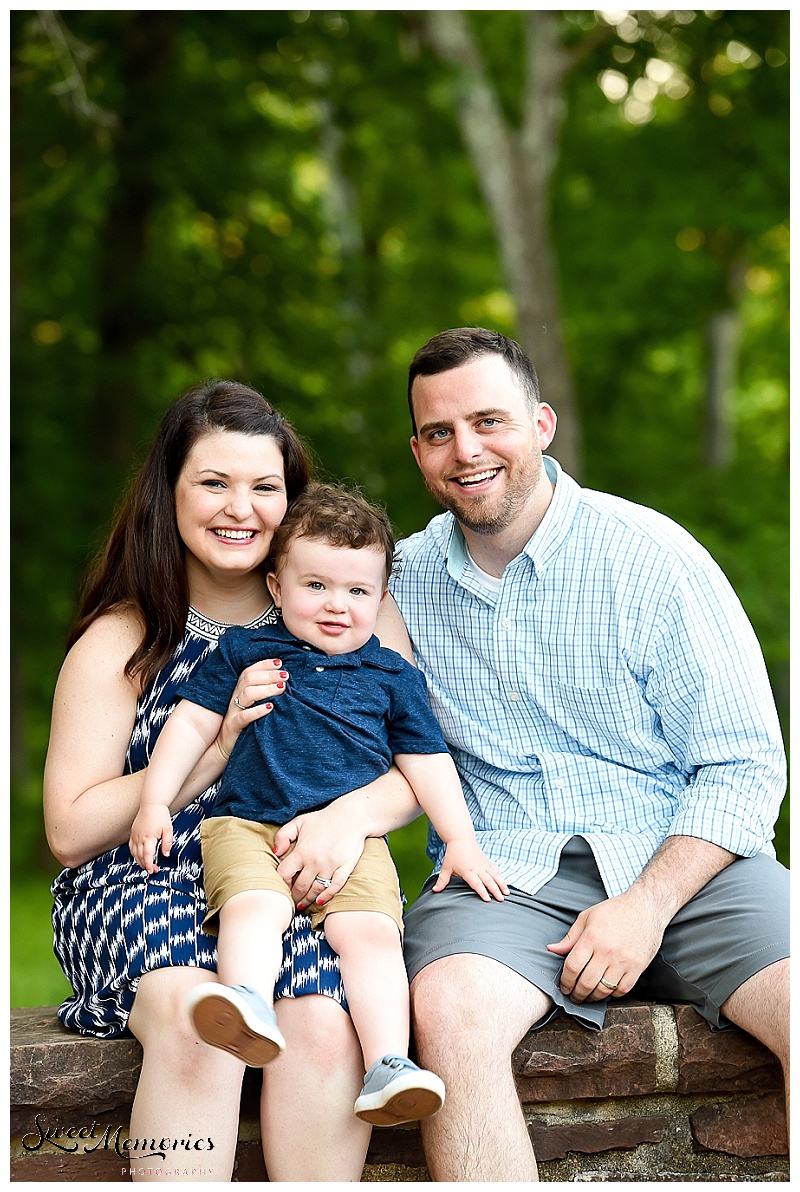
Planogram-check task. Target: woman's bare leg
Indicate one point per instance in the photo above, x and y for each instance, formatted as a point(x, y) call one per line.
point(308, 1128)
point(187, 1090)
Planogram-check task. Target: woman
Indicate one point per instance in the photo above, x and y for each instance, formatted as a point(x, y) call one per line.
point(184, 560)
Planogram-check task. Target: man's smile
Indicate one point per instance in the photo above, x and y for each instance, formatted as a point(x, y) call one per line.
point(476, 478)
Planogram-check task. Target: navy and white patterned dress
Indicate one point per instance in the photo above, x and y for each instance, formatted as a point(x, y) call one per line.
point(112, 922)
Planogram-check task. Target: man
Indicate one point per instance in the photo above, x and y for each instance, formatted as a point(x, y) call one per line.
point(609, 712)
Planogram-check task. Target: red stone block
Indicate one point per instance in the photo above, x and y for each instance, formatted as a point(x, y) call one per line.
point(728, 1061)
point(747, 1129)
point(562, 1061)
point(591, 1138)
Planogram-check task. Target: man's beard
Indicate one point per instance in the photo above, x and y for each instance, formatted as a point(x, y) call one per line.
point(488, 515)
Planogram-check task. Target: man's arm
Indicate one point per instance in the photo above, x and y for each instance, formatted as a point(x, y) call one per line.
point(708, 684)
point(616, 940)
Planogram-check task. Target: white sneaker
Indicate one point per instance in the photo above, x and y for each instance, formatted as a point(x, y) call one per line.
point(396, 1090)
point(237, 1019)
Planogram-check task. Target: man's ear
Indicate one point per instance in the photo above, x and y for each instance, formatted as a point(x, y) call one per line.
point(274, 588)
point(415, 448)
point(546, 420)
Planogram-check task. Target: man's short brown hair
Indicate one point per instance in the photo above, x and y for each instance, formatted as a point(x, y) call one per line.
point(460, 345)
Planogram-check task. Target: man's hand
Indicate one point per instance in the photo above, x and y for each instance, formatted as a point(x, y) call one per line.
point(463, 858)
point(612, 942)
point(152, 824)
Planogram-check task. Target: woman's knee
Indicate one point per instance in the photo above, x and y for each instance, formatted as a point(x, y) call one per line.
point(320, 1029)
point(160, 1021)
point(159, 1015)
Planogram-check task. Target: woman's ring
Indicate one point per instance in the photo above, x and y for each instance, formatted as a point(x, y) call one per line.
point(608, 984)
point(323, 881)
point(241, 707)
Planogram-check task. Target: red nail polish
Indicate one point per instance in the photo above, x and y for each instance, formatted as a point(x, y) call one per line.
point(284, 675)
point(268, 707)
point(276, 662)
point(280, 686)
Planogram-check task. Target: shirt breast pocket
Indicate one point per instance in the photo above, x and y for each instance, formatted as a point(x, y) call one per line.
point(613, 721)
point(361, 702)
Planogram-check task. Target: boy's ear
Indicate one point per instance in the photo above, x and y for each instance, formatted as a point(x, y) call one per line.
point(274, 588)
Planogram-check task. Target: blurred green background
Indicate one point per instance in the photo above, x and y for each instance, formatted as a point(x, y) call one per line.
point(300, 199)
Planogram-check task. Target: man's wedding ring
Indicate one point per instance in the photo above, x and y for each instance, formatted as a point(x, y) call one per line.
point(323, 881)
point(608, 984)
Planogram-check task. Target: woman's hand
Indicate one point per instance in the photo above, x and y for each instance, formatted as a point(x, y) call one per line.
point(257, 686)
point(326, 846)
point(328, 843)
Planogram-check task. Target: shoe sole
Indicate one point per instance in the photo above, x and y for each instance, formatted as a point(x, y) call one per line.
point(409, 1103)
point(221, 1022)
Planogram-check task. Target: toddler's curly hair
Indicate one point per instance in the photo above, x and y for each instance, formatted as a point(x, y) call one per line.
point(337, 515)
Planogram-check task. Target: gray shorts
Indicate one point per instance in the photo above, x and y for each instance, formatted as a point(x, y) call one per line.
point(737, 925)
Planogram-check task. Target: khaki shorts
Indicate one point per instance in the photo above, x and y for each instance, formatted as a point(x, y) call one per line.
point(238, 856)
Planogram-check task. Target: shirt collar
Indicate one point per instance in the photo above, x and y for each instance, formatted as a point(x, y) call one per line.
point(546, 540)
point(371, 654)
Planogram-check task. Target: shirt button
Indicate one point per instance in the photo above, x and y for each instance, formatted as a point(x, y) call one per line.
point(506, 623)
point(320, 668)
point(513, 695)
point(560, 784)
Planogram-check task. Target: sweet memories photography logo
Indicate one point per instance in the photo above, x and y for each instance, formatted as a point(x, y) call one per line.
point(90, 1138)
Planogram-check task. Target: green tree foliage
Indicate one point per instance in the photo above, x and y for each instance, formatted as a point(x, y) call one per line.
point(285, 198)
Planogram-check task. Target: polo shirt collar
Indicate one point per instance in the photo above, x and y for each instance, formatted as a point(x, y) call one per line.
point(548, 537)
point(371, 654)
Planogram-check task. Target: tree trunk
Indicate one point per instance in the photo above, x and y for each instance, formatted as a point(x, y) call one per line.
point(723, 336)
point(127, 316)
point(514, 168)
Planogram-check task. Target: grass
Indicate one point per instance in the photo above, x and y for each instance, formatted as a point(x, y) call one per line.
point(36, 977)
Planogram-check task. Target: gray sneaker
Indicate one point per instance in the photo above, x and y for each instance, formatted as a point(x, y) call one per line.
point(396, 1090)
point(237, 1019)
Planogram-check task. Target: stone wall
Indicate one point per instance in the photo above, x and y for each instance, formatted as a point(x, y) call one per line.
point(655, 1096)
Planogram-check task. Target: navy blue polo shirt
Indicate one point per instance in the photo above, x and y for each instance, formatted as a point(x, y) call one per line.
point(335, 728)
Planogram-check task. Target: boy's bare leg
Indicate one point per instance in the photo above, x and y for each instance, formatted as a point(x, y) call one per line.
point(469, 1013)
point(374, 978)
point(250, 949)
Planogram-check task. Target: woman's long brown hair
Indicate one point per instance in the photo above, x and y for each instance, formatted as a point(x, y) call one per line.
point(142, 566)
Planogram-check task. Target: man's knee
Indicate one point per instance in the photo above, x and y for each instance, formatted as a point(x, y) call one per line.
point(468, 1002)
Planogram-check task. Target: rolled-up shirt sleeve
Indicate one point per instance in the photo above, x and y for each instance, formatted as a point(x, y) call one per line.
point(709, 685)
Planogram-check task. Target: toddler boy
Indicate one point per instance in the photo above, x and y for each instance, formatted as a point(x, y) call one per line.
point(351, 707)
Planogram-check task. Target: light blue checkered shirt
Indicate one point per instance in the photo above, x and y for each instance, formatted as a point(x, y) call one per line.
point(613, 689)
